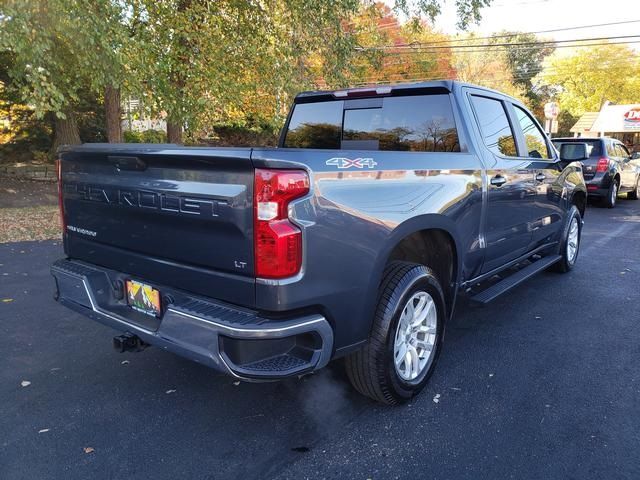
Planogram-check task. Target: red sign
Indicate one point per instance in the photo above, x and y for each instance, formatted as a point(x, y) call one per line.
point(632, 115)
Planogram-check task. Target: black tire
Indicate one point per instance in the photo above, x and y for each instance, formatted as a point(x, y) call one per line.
point(372, 370)
point(567, 263)
point(635, 193)
point(611, 199)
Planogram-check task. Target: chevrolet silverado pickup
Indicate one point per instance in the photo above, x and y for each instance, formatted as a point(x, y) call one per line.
point(350, 240)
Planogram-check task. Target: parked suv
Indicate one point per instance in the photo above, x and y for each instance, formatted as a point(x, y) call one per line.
point(609, 170)
point(352, 239)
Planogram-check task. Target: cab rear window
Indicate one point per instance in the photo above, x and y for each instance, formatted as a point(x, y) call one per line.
point(594, 147)
point(315, 125)
point(422, 123)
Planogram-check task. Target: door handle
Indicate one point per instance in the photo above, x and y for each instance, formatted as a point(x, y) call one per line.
point(540, 177)
point(498, 180)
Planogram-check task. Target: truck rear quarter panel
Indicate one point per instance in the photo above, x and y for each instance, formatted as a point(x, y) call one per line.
point(353, 218)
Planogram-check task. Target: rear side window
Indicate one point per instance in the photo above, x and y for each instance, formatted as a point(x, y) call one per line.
point(533, 137)
point(315, 125)
point(423, 123)
point(494, 126)
point(417, 124)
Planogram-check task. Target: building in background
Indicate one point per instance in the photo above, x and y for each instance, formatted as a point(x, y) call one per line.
point(137, 119)
point(617, 121)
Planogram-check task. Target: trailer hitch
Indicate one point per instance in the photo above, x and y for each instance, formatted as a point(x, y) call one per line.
point(128, 342)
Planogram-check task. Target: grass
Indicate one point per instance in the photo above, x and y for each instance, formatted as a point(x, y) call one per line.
point(29, 223)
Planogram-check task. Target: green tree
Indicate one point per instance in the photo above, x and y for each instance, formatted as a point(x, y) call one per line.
point(61, 49)
point(192, 60)
point(242, 61)
point(584, 81)
point(525, 62)
point(487, 67)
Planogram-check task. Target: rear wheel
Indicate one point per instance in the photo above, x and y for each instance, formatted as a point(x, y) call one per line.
point(404, 343)
point(635, 193)
point(570, 243)
point(612, 195)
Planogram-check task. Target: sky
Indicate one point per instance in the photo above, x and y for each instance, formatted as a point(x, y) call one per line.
point(535, 15)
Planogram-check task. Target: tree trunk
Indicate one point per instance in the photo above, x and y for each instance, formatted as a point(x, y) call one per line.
point(113, 114)
point(174, 131)
point(65, 131)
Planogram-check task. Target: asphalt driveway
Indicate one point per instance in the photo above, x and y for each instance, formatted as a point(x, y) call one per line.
point(542, 383)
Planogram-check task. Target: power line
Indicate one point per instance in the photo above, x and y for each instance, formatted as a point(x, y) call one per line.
point(516, 34)
point(504, 49)
point(440, 73)
point(554, 30)
point(416, 76)
point(412, 46)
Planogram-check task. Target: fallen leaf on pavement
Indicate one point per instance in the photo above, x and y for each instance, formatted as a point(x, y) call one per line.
point(125, 362)
point(25, 383)
point(436, 399)
point(170, 391)
point(89, 449)
point(236, 383)
point(44, 430)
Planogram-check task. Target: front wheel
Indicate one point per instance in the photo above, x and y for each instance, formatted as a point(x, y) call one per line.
point(406, 336)
point(570, 242)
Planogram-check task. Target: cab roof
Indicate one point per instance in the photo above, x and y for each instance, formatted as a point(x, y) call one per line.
point(415, 88)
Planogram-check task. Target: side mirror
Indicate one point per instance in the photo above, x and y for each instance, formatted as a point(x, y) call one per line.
point(635, 156)
point(573, 152)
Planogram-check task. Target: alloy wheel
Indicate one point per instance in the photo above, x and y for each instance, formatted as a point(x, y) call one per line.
point(573, 240)
point(414, 345)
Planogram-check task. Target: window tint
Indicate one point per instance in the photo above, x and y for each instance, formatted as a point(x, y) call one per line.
point(315, 125)
point(611, 151)
point(494, 126)
point(533, 137)
point(419, 124)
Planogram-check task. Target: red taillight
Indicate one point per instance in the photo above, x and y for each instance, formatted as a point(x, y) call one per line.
point(277, 242)
point(63, 223)
point(603, 165)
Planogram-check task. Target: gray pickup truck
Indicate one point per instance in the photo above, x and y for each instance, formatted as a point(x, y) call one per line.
point(350, 240)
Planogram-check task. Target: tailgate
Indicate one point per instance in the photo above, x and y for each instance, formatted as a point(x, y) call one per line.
point(176, 216)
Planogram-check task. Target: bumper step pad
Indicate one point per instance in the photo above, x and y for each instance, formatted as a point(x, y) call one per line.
point(226, 337)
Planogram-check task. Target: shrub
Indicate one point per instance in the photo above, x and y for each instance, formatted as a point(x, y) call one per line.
point(148, 136)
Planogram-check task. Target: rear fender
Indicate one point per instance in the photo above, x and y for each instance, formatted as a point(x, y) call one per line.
point(402, 231)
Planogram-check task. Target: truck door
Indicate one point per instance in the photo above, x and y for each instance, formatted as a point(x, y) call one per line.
point(510, 182)
point(533, 145)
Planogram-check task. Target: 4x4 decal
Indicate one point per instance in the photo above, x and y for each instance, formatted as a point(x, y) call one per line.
point(343, 162)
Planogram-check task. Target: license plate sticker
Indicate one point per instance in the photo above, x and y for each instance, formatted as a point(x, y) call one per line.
point(143, 298)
